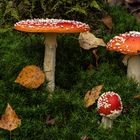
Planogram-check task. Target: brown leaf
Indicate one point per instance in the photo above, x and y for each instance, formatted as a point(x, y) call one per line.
point(50, 121)
point(96, 57)
point(115, 2)
point(137, 15)
point(137, 96)
point(87, 41)
point(126, 59)
point(85, 138)
point(92, 95)
point(90, 67)
point(9, 120)
point(127, 108)
point(131, 1)
point(31, 77)
point(107, 20)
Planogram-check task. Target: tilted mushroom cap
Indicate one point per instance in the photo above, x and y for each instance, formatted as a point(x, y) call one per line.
point(109, 104)
point(127, 43)
point(51, 25)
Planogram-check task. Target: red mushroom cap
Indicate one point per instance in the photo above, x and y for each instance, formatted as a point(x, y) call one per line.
point(109, 104)
point(127, 43)
point(51, 25)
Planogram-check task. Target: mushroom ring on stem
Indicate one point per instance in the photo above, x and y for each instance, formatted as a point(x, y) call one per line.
point(128, 44)
point(51, 27)
point(109, 106)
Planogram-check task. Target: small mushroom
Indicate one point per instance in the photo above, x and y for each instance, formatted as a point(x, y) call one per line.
point(51, 27)
point(109, 106)
point(128, 44)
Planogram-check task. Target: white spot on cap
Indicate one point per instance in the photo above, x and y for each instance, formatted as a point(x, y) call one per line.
point(53, 23)
point(103, 102)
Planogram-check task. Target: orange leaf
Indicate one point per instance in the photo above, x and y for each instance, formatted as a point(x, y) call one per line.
point(9, 120)
point(92, 95)
point(31, 77)
point(107, 20)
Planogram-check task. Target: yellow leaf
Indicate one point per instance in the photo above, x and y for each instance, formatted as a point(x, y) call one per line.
point(88, 40)
point(137, 96)
point(9, 120)
point(31, 77)
point(92, 95)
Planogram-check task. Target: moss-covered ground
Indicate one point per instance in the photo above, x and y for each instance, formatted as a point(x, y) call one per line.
point(73, 79)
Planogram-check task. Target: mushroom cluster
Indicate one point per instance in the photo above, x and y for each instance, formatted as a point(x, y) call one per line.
point(109, 106)
point(128, 44)
point(51, 27)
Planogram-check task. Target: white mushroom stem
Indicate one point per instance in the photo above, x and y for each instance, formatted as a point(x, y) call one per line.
point(49, 59)
point(106, 122)
point(133, 67)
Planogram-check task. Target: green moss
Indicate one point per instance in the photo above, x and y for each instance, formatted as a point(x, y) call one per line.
point(73, 79)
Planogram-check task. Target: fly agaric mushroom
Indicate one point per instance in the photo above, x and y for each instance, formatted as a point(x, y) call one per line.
point(109, 106)
point(129, 44)
point(51, 27)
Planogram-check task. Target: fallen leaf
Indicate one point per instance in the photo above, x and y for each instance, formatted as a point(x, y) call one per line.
point(85, 138)
point(137, 96)
point(107, 20)
point(31, 77)
point(90, 67)
point(126, 59)
point(87, 41)
point(137, 15)
point(115, 2)
point(126, 109)
point(96, 57)
point(131, 1)
point(9, 120)
point(92, 95)
point(50, 121)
